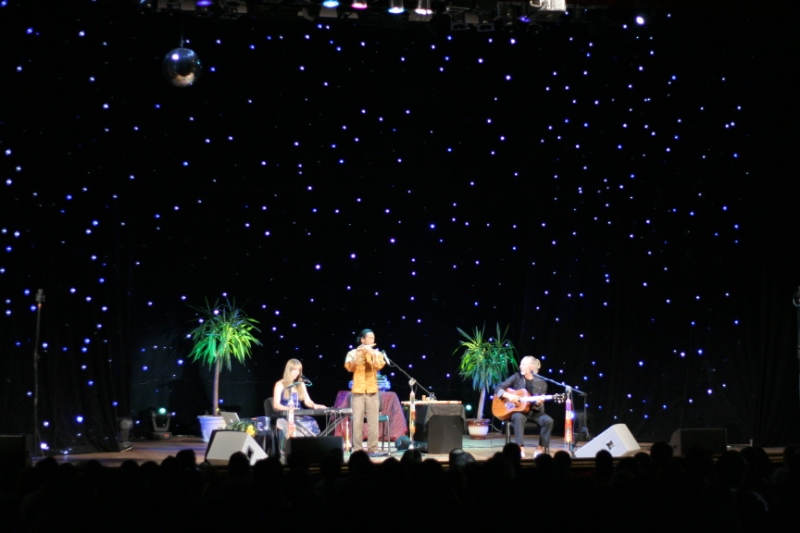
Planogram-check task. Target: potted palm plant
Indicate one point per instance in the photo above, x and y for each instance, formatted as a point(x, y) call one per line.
point(224, 333)
point(485, 361)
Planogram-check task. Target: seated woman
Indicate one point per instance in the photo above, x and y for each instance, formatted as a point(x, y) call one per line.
point(291, 393)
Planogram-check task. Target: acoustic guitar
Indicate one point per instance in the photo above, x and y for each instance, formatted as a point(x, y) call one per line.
point(503, 408)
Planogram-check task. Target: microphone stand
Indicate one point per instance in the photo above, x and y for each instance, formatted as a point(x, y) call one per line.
point(299, 427)
point(36, 436)
point(796, 303)
point(412, 408)
point(411, 381)
point(584, 430)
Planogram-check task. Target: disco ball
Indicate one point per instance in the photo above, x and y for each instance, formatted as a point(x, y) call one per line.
point(182, 67)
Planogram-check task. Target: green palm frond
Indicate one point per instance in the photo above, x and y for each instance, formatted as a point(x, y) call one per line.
point(485, 361)
point(224, 333)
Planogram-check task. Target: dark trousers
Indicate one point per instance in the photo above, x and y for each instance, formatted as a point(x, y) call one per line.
point(543, 420)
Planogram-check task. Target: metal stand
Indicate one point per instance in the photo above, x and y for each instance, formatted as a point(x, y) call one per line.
point(412, 415)
point(796, 303)
point(570, 414)
point(37, 439)
point(412, 410)
point(569, 417)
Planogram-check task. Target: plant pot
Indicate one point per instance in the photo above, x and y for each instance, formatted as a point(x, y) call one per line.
point(478, 427)
point(208, 424)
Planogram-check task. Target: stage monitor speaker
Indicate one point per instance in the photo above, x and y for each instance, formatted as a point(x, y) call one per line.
point(617, 440)
point(224, 443)
point(15, 451)
point(713, 439)
point(315, 447)
point(444, 433)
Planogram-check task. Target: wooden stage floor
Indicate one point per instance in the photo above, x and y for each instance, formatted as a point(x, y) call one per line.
point(157, 450)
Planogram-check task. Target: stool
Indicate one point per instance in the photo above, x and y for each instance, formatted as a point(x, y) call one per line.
point(384, 430)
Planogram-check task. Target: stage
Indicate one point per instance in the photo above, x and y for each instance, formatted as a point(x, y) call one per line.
point(143, 451)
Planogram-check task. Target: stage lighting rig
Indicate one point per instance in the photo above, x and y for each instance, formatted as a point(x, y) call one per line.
point(513, 14)
point(548, 10)
point(172, 6)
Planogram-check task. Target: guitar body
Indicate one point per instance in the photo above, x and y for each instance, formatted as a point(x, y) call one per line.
point(502, 409)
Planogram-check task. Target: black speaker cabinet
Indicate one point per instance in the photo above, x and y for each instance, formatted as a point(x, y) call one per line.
point(444, 433)
point(712, 439)
point(315, 447)
point(15, 451)
point(617, 440)
point(224, 443)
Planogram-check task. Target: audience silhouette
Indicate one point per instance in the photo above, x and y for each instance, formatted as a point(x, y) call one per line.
point(737, 491)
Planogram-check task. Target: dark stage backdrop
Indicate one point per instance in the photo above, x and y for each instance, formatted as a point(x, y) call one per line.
point(620, 195)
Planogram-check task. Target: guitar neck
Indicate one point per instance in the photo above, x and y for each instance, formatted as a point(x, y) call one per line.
point(537, 398)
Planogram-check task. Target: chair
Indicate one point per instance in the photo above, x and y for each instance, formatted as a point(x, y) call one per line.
point(274, 433)
point(270, 411)
point(530, 428)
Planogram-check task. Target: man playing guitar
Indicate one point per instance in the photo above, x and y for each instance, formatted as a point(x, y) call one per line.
point(517, 387)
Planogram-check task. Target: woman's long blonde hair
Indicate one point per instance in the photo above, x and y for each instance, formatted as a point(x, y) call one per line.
point(292, 364)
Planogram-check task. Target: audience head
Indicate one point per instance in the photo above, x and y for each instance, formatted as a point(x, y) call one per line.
point(458, 458)
point(661, 453)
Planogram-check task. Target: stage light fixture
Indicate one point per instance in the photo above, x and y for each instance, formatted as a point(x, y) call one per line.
point(205, 8)
point(359, 4)
point(396, 7)
point(462, 19)
point(549, 5)
point(548, 10)
point(125, 425)
point(381, 17)
point(144, 5)
point(308, 10)
point(175, 5)
point(423, 8)
point(233, 9)
point(287, 11)
point(161, 418)
point(330, 4)
point(515, 14)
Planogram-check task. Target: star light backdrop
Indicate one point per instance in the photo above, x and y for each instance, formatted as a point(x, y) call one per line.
point(617, 194)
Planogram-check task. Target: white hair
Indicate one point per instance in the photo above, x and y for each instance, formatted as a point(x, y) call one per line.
point(535, 363)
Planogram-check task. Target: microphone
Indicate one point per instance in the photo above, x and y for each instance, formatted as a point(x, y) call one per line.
point(386, 357)
point(305, 380)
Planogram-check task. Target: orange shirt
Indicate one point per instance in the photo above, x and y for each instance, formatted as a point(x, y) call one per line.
point(364, 363)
